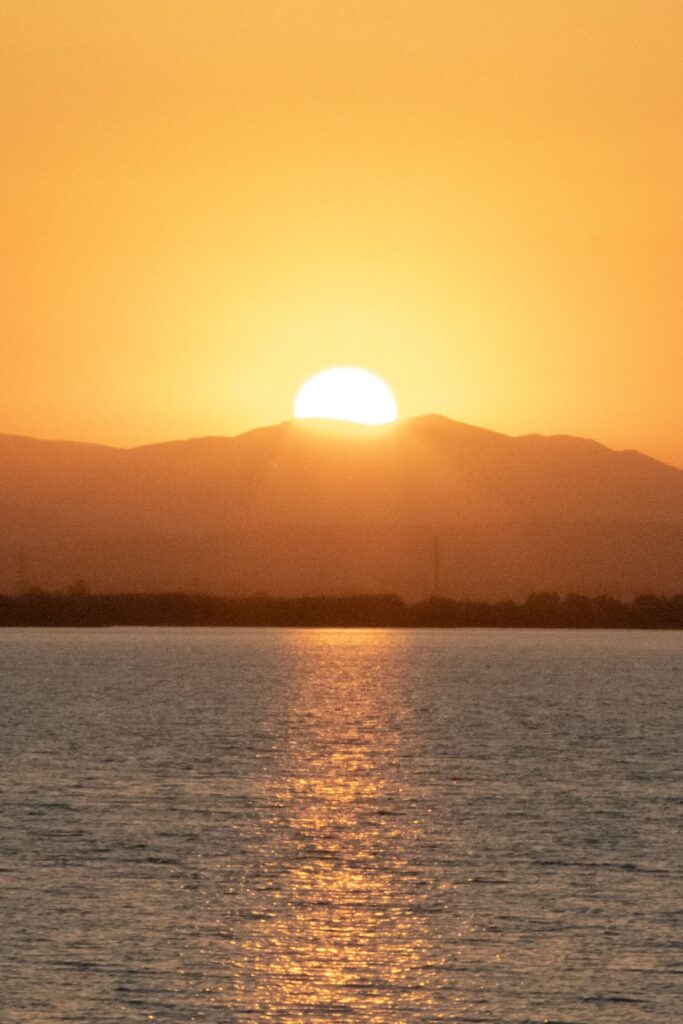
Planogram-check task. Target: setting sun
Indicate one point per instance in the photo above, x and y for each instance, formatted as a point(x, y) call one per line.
point(346, 393)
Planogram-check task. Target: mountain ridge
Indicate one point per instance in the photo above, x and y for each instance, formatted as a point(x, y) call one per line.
point(337, 427)
point(302, 506)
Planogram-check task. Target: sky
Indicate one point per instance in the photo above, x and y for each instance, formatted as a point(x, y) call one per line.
point(203, 204)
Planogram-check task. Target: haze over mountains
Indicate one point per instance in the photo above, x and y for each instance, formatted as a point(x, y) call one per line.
point(305, 507)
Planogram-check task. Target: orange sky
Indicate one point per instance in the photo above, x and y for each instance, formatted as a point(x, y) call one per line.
point(204, 203)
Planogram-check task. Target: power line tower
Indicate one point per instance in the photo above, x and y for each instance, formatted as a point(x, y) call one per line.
point(22, 585)
point(435, 566)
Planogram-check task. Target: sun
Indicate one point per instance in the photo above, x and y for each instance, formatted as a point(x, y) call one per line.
point(346, 393)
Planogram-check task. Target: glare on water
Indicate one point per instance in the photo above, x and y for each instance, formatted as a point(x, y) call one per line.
point(338, 928)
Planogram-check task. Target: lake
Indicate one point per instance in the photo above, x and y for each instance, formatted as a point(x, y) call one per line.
point(405, 826)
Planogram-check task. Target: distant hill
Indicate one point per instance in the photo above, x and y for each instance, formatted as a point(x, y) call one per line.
point(312, 507)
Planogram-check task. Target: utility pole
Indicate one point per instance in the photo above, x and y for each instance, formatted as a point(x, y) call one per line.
point(435, 591)
point(21, 571)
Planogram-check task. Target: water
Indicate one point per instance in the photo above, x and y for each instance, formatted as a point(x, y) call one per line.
point(348, 826)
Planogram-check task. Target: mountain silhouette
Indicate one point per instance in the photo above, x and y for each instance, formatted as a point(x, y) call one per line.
point(317, 507)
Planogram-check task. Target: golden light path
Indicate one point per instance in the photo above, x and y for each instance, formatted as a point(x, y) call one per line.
point(346, 393)
point(338, 932)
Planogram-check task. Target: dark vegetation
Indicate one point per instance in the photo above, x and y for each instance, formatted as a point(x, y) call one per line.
point(77, 607)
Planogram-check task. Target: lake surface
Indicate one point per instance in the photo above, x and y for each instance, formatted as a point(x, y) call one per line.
point(341, 825)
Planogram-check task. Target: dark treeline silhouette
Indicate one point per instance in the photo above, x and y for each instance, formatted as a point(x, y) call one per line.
point(76, 607)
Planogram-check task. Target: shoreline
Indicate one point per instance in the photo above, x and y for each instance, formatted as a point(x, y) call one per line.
point(362, 611)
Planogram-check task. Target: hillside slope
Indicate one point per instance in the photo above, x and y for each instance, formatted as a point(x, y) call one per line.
point(305, 506)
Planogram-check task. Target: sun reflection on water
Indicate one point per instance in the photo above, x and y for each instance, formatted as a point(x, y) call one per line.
point(337, 928)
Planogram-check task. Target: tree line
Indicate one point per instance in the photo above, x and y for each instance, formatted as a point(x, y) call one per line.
point(77, 607)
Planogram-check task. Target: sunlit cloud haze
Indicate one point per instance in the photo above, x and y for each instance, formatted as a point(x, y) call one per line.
point(204, 204)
